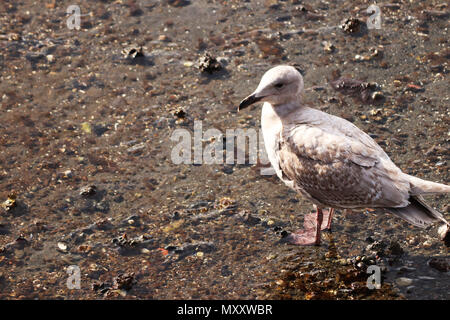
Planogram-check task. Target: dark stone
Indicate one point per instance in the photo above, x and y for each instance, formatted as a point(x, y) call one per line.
point(88, 190)
point(178, 3)
point(209, 64)
point(100, 130)
point(351, 25)
point(440, 264)
point(133, 52)
point(395, 248)
point(124, 281)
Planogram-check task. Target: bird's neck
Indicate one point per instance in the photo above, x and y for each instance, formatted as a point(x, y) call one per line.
point(288, 110)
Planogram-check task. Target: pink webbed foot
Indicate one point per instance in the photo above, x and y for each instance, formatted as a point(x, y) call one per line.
point(313, 224)
point(303, 237)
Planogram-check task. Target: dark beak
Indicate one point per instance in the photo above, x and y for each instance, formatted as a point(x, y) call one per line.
point(251, 99)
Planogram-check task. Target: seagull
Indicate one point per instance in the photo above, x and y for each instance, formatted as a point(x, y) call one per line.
point(331, 162)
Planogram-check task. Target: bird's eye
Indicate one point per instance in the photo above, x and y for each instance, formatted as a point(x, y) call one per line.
point(278, 85)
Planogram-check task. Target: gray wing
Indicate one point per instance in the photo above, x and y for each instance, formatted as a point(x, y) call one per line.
point(340, 166)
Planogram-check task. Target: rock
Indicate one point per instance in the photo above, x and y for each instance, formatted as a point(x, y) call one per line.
point(62, 247)
point(394, 248)
point(9, 203)
point(272, 4)
point(137, 148)
point(377, 95)
point(404, 282)
point(351, 25)
point(178, 3)
point(100, 286)
point(67, 174)
point(397, 83)
point(14, 37)
point(134, 8)
point(385, 247)
point(133, 52)
point(427, 243)
point(86, 127)
point(247, 217)
point(357, 88)
point(124, 281)
point(343, 262)
point(437, 68)
point(374, 53)
point(226, 204)
point(440, 264)
point(194, 248)
point(426, 278)
point(414, 88)
point(328, 46)
point(377, 247)
point(88, 190)
point(50, 58)
point(19, 243)
point(223, 61)
point(124, 243)
point(409, 289)
point(179, 113)
point(164, 38)
point(99, 130)
point(208, 63)
point(35, 57)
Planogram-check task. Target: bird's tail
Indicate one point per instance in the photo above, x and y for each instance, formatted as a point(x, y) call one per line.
point(420, 186)
point(418, 213)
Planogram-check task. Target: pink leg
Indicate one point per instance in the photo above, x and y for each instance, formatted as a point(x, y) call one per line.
point(311, 234)
point(319, 219)
point(330, 218)
point(311, 219)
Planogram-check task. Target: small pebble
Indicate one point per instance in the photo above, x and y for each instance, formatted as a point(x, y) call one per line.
point(404, 282)
point(427, 244)
point(351, 25)
point(88, 190)
point(209, 64)
point(328, 46)
point(62, 246)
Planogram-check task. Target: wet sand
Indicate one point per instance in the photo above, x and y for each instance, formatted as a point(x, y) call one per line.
point(78, 112)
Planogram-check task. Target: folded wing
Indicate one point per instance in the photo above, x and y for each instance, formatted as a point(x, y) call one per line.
point(340, 166)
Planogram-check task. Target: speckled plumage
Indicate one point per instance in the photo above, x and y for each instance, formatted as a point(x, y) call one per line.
point(329, 160)
point(334, 164)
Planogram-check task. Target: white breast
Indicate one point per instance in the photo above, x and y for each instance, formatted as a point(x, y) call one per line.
point(271, 129)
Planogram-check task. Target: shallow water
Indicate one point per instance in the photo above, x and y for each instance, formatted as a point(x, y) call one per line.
point(75, 112)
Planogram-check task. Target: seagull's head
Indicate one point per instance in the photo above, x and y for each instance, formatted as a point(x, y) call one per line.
point(278, 86)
